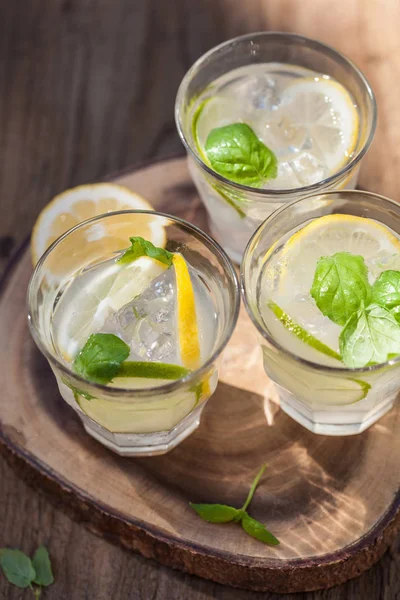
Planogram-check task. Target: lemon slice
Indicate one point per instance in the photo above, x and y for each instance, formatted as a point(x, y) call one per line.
point(100, 296)
point(187, 319)
point(288, 279)
point(341, 233)
point(83, 202)
point(314, 131)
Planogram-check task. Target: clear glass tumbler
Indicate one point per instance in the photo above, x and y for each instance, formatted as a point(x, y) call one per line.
point(133, 421)
point(233, 226)
point(330, 400)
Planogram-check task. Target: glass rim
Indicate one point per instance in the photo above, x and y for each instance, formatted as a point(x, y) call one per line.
point(116, 392)
point(265, 194)
point(265, 334)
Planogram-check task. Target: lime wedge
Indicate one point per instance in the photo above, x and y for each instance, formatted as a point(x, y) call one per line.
point(151, 370)
point(301, 333)
point(198, 115)
point(313, 388)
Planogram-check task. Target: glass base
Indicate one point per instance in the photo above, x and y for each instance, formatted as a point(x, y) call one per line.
point(143, 444)
point(337, 420)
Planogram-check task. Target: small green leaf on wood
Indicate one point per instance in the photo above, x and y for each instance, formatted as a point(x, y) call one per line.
point(17, 567)
point(216, 513)
point(41, 563)
point(258, 530)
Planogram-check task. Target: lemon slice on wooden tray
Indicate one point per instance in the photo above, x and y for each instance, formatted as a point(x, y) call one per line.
point(84, 202)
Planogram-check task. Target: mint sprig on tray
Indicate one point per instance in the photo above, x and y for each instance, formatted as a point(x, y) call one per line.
point(223, 513)
point(24, 572)
point(370, 315)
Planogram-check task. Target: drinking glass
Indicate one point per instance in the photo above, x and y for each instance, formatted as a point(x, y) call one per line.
point(232, 228)
point(133, 421)
point(325, 399)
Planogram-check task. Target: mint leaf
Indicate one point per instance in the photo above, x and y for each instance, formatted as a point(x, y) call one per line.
point(370, 336)
point(101, 357)
point(258, 531)
point(17, 567)
point(235, 152)
point(340, 285)
point(141, 247)
point(221, 513)
point(396, 313)
point(386, 289)
point(41, 564)
point(216, 513)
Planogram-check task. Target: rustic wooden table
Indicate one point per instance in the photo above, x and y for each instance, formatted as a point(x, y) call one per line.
point(87, 87)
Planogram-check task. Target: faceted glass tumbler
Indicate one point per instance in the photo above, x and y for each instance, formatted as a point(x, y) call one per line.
point(232, 229)
point(318, 396)
point(141, 421)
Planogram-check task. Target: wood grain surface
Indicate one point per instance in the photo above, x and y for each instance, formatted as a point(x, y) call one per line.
point(87, 87)
point(332, 501)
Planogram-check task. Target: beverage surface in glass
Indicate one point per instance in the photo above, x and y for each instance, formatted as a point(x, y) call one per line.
point(302, 100)
point(328, 380)
point(171, 319)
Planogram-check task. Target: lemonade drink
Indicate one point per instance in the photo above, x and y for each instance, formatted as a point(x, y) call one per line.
point(264, 131)
point(133, 334)
point(326, 297)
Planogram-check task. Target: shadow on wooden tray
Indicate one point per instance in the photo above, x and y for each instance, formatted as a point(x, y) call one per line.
point(307, 476)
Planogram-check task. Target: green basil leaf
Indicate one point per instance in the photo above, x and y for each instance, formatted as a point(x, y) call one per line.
point(17, 567)
point(370, 336)
point(396, 313)
point(101, 357)
point(340, 286)
point(386, 289)
point(216, 513)
point(235, 152)
point(258, 530)
point(41, 564)
point(141, 247)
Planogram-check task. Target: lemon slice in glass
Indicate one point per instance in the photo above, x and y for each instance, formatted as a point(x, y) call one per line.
point(313, 132)
point(290, 274)
point(88, 311)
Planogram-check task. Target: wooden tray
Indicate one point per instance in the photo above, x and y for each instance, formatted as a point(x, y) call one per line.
point(333, 502)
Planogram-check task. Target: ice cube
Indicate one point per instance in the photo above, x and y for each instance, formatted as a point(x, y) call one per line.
point(148, 323)
point(258, 92)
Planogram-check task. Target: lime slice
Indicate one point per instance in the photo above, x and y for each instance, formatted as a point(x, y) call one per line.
point(147, 416)
point(301, 333)
point(314, 388)
point(151, 370)
point(215, 111)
